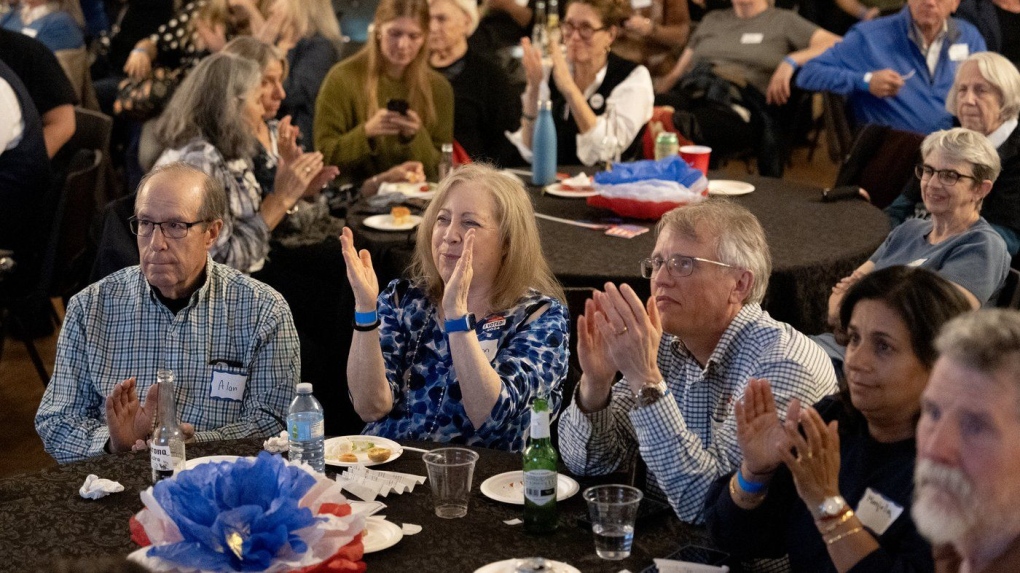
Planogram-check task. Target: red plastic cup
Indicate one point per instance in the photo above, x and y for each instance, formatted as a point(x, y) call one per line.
point(696, 156)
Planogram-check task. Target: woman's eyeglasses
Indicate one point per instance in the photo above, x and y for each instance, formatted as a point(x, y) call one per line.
point(946, 176)
point(585, 30)
point(677, 265)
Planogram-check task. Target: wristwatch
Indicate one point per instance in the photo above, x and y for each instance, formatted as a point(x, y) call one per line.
point(650, 394)
point(830, 507)
point(462, 324)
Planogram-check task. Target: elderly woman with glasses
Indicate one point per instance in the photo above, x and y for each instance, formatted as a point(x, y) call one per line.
point(586, 82)
point(958, 170)
point(985, 97)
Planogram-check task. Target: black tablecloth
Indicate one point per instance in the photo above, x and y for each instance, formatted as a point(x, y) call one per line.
point(813, 245)
point(43, 518)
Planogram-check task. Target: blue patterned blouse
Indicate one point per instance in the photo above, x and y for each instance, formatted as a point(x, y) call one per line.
point(529, 358)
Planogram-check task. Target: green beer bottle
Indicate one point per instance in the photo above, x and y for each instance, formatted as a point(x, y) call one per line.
point(540, 475)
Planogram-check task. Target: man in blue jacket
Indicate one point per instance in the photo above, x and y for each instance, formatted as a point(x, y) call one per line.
point(897, 70)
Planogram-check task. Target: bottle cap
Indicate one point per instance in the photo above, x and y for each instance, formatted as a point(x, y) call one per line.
point(304, 388)
point(447, 148)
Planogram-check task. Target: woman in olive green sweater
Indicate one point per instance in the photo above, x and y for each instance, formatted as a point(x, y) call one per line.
point(354, 130)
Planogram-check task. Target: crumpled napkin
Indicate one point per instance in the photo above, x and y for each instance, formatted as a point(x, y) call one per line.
point(277, 444)
point(671, 566)
point(579, 181)
point(96, 487)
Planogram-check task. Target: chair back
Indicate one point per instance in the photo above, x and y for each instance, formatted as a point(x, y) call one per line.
point(881, 161)
point(76, 67)
point(68, 265)
point(1009, 296)
point(839, 133)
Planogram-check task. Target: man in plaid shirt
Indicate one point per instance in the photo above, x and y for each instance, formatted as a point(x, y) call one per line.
point(229, 339)
point(685, 357)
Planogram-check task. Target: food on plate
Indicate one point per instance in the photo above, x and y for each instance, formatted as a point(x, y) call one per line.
point(379, 454)
point(401, 215)
point(347, 458)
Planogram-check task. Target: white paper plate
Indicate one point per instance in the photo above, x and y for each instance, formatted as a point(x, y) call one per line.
point(380, 534)
point(729, 187)
point(510, 565)
point(558, 190)
point(190, 464)
point(395, 450)
point(412, 190)
point(509, 487)
point(385, 223)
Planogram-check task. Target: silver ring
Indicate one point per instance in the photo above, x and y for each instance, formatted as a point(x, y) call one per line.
point(624, 331)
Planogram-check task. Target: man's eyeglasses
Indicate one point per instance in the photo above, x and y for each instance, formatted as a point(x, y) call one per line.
point(946, 176)
point(170, 229)
point(586, 31)
point(677, 265)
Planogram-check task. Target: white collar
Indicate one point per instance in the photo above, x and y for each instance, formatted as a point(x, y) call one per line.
point(1000, 135)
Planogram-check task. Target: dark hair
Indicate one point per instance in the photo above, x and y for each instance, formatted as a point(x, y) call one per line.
point(612, 12)
point(922, 299)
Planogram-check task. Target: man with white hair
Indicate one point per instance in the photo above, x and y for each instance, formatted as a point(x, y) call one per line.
point(967, 479)
point(686, 357)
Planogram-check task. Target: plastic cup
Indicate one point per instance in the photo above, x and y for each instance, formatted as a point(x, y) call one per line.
point(450, 473)
point(696, 156)
point(613, 509)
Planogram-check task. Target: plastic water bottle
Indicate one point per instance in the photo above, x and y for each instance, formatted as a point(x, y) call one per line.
point(446, 160)
point(543, 146)
point(305, 429)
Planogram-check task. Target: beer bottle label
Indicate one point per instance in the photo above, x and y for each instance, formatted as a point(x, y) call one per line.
point(540, 486)
point(539, 425)
point(162, 460)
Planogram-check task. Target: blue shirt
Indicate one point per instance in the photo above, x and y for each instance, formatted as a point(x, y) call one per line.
point(118, 328)
point(920, 105)
point(530, 357)
point(57, 30)
point(689, 438)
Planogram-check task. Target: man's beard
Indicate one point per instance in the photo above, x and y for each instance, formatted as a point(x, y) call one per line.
point(939, 519)
point(947, 509)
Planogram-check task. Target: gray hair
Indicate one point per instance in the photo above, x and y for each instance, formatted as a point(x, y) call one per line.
point(256, 50)
point(740, 238)
point(964, 145)
point(1001, 74)
point(214, 196)
point(209, 104)
point(984, 340)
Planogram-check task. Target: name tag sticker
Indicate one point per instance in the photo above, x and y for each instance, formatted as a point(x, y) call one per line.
point(917, 263)
point(877, 512)
point(30, 32)
point(752, 38)
point(227, 385)
point(489, 348)
point(639, 4)
point(958, 52)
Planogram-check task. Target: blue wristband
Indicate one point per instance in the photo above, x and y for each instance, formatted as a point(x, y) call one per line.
point(792, 63)
point(750, 487)
point(366, 318)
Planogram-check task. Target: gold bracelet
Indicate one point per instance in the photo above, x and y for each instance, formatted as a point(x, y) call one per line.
point(849, 513)
point(832, 540)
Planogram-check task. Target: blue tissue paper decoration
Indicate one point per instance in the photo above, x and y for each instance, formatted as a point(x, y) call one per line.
point(235, 516)
point(672, 168)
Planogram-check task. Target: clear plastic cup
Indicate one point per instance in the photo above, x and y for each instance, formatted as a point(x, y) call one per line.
point(613, 510)
point(450, 473)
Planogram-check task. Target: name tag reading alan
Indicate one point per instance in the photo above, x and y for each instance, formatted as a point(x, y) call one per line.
point(752, 38)
point(228, 385)
point(876, 512)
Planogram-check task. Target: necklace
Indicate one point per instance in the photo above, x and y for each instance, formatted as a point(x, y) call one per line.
point(407, 376)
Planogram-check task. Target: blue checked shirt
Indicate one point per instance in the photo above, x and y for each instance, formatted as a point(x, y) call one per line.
point(689, 438)
point(118, 328)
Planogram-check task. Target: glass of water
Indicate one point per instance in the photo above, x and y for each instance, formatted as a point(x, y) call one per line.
point(613, 509)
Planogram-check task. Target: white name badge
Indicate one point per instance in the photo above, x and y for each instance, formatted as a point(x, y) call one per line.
point(489, 348)
point(916, 263)
point(958, 52)
point(30, 32)
point(639, 4)
point(227, 385)
point(877, 512)
point(751, 38)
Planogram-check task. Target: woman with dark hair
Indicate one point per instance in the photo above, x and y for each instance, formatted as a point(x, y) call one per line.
point(585, 84)
point(831, 486)
point(384, 105)
point(457, 353)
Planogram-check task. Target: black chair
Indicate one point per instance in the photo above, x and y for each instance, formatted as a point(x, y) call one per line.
point(881, 161)
point(1009, 296)
point(61, 204)
point(839, 133)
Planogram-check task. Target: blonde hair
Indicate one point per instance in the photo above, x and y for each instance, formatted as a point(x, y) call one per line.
point(416, 76)
point(313, 18)
point(523, 266)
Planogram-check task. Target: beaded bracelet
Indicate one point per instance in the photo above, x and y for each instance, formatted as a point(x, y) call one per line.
point(832, 540)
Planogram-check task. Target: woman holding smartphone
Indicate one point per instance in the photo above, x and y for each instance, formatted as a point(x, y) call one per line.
point(384, 105)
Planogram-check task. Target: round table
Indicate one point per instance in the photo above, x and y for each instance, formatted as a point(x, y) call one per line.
point(813, 245)
point(42, 519)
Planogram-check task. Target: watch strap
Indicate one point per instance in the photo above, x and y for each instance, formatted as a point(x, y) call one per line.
point(462, 324)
